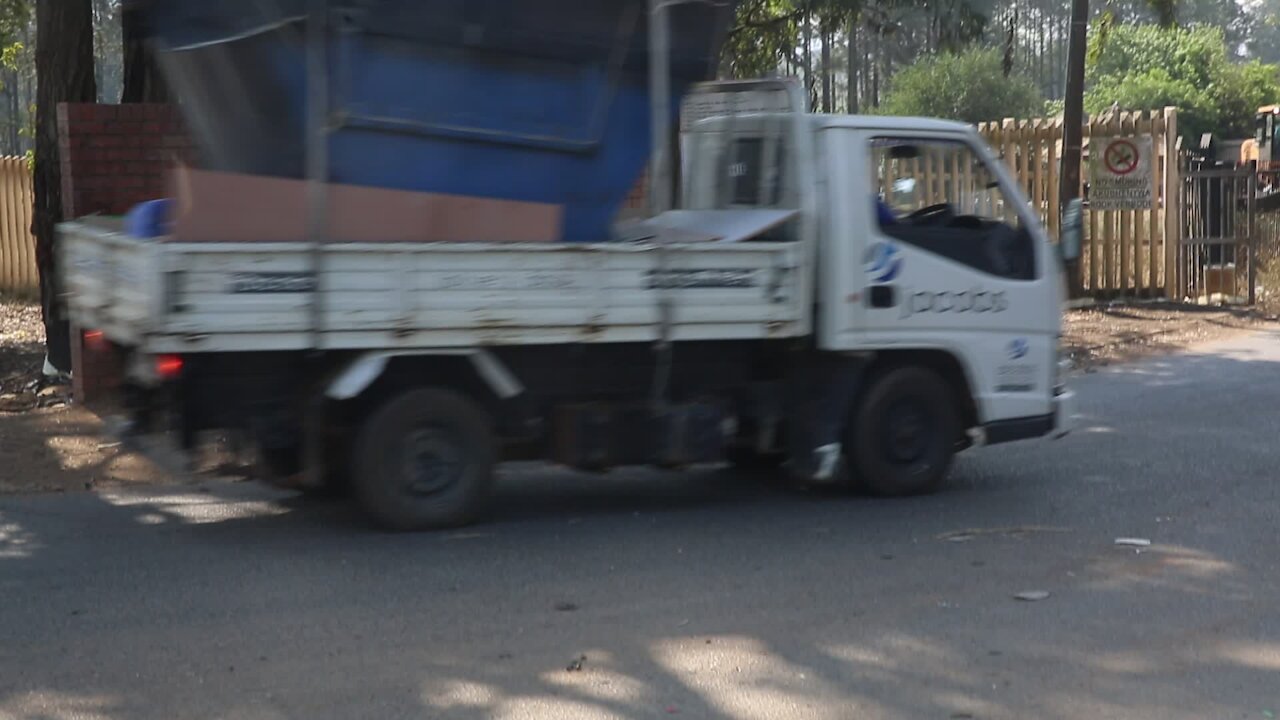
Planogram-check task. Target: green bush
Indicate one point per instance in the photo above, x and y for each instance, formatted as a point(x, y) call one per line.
point(968, 86)
point(1148, 67)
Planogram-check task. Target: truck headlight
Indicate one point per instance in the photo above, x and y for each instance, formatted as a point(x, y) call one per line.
point(1060, 376)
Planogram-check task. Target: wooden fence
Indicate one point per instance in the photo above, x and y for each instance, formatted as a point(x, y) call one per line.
point(1126, 253)
point(17, 246)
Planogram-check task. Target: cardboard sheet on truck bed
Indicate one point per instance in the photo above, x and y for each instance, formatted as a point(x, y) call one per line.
point(232, 207)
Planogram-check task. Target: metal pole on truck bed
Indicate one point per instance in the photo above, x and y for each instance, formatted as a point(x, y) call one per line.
point(317, 148)
point(317, 167)
point(660, 187)
point(659, 106)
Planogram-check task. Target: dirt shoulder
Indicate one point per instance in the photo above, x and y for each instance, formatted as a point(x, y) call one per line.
point(49, 445)
point(46, 444)
point(1106, 335)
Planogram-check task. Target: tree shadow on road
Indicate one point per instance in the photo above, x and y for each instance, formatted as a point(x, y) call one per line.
point(697, 595)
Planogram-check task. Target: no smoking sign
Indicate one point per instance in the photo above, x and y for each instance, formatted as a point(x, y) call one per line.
point(1121, 173)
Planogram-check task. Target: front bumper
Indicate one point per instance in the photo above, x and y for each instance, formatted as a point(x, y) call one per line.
point(1064, 413)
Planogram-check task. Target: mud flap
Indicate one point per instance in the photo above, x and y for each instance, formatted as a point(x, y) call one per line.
point(823, 398)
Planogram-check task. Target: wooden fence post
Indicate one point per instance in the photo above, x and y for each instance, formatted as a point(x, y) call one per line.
point(18, 273)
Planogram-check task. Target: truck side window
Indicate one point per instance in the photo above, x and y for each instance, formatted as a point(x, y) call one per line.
point(940, 196)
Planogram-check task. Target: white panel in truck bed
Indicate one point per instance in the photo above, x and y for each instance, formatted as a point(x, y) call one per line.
point(248, 296)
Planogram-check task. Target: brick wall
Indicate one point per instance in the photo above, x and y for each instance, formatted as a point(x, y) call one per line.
point(113, 157)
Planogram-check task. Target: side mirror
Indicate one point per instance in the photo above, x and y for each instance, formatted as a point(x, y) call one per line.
point(1072, 237)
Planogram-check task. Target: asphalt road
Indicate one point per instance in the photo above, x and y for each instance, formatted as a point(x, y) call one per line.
point(697, 595)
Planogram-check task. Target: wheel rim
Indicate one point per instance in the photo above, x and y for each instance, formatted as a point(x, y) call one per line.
point(431, 461)
point(908, 432)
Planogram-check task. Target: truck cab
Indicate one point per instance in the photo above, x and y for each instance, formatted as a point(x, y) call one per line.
point(924, 248)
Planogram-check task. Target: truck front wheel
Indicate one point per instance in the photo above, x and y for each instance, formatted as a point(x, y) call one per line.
point(903, 436)
point(424, 460)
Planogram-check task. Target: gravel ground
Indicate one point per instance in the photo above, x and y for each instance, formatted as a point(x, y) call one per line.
point(50, 445)
point(1122, 333)
point(21, 341)
point(55, 446)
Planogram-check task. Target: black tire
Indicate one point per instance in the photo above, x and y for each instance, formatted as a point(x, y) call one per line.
point(424, 460)
point(903, 436)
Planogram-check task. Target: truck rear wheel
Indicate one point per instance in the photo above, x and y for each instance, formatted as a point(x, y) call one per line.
point(903, 436)
point(423, 460)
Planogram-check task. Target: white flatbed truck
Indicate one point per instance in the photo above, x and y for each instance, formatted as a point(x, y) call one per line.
point(855, 298)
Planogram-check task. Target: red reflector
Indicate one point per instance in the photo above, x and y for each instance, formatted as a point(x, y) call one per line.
point(168, 366)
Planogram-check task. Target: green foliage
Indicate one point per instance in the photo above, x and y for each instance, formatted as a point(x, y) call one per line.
point(769, 34)
point(14, 16)
point(10, 54)
point(1149, 67)
point(968, 86)
point(766, 34)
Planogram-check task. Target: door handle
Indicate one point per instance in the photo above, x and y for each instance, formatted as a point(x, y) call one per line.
point(882, 296)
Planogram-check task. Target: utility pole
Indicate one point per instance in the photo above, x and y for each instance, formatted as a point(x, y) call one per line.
point(1073, 123)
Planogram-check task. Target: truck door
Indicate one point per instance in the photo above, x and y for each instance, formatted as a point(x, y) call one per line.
point(945, 255)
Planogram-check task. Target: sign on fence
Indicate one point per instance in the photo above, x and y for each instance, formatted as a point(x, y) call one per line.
point(1132, 220)
point(1120, 177)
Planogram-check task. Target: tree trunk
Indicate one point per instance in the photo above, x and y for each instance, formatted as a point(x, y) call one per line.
point(64, 73)
point(143, 82)
point(15, 113)
point(809, 85)
point(1073, 124)
point(852, 104)
point(827, 105)
point(874, 98)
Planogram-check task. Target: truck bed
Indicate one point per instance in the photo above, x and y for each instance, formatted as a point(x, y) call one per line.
point(242, 297)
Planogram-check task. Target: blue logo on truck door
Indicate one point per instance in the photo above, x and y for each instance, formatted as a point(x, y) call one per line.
point(882, 262)
point(1019, 349)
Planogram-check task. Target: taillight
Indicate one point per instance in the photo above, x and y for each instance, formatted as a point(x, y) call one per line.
point(168, 367)
point(95, 340)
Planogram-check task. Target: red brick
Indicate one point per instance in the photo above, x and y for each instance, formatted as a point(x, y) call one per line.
point(126, 127)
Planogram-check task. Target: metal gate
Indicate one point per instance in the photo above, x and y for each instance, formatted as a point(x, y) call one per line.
point(1217, 258)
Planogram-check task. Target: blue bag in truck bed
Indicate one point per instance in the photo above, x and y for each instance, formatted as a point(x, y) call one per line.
point(519, 100)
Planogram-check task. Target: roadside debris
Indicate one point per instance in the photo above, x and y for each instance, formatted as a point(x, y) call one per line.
point(17, 402)
point(972, 533)
point(1032, 595)
point(1133, 542)
point(576, 664)
point(566, 607)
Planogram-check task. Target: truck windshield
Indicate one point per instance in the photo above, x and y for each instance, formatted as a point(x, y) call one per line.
point(913, 175)
point(941, 196)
